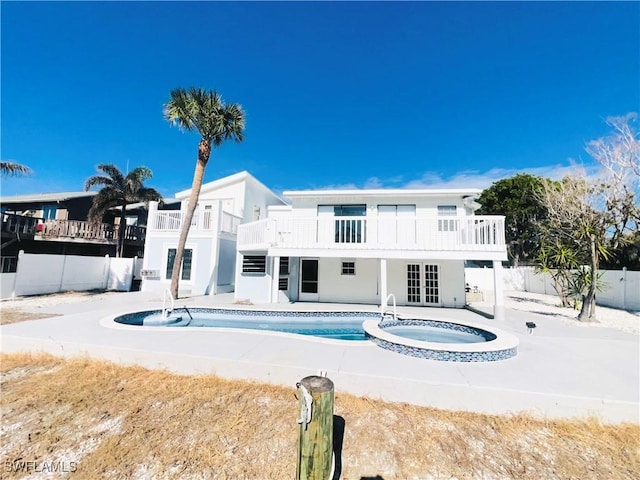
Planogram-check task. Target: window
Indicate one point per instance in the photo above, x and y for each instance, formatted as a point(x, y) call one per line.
point(187, 257)
point(283, 279)
point(449, 224)
point(284, 265)
point(349, 268)
point(254, 264)
point(347, 230)
point(49, 212)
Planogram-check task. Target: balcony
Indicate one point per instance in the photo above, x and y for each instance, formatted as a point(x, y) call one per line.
point(203, 221)
point(19, 226)
point(312, 235)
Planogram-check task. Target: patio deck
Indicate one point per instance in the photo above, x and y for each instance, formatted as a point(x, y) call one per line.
point(561, 371)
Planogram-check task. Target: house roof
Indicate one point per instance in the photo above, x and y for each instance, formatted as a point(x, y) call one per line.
point(386, 192)
point(225, 182)
point(134, 206)
point(45, 197)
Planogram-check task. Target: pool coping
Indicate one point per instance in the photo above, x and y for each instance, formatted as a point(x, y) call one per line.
point(110, 322)
point(503, 340)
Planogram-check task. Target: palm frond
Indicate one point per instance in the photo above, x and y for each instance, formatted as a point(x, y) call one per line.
point(97, 180)
point(179, 110)
point(148, 194)
point(113, 172)
point(13, 168)
point(118, 189)
point(102, 201)
point(206, 112)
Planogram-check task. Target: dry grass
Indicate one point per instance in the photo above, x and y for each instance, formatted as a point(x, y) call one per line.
point(129, 422)
point(8, 316)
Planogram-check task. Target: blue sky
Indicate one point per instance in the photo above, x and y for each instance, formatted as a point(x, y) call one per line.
point(360, 94)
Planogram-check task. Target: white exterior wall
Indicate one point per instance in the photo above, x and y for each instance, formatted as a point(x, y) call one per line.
point(214, 253)
point(253, 287)
point(425, 206)
point(155, 258)
point(258, 197)
point(451, 276)
point(359, 288)
point(226, 266)
point(364, 286)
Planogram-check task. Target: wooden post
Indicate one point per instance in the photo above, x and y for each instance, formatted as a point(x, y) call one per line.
point(315, 440)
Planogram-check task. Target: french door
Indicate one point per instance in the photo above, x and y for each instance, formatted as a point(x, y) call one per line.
point(308, 280)
point(423, 284)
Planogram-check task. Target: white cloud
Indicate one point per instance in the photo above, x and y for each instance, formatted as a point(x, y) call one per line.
point(478, 179)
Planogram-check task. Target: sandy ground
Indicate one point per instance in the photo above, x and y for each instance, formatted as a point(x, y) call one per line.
point(548, 305)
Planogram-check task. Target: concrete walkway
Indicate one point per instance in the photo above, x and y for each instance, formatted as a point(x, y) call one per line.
point(560, 371)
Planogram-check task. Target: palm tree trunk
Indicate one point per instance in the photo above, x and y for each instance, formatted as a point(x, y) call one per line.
point(204, 150)
point(121, 231)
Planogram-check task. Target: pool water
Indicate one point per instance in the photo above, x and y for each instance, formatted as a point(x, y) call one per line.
point(333, 325)
point(434, 334)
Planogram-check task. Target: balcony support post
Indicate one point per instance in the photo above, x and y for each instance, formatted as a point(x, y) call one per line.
point(383, 281)
point(275, 279)
point(498, 291)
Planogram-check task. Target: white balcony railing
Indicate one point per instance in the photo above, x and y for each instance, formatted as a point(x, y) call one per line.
point(451, 233)
point(205, 220)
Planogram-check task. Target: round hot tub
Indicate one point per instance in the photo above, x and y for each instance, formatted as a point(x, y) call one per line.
point(442, 340)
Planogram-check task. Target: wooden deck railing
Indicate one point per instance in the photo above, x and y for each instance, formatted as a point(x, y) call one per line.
point(70, 229)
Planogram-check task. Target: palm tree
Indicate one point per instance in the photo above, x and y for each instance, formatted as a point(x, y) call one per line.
point(215, 121)
point(119, 191)
point(13, 168)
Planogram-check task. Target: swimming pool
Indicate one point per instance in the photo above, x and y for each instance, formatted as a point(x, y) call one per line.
point(333, 325)
point(423, 338)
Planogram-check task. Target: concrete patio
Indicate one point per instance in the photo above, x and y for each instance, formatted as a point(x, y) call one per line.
point(561, 370)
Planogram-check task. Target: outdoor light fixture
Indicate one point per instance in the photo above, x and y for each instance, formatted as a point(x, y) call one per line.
point(530, 326)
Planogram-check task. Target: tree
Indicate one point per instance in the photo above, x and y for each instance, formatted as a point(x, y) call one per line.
point(558, 260)
point(575, 221)
point(13, 168)
point(216, 122)
point(595, 219)
point(516, 199)
point(619, 152)
point(119, 190)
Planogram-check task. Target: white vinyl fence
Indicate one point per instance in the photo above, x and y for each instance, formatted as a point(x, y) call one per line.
point(43, 273)
point(622, 287)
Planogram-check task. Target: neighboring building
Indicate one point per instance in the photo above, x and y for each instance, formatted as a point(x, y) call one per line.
point(210, 253)
point(56, 223)
point(359, 246)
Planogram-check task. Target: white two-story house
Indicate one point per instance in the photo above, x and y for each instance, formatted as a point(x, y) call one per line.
point(360, 246)
point(209, 262)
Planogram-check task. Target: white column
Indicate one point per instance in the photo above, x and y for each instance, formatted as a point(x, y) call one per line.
point(383, 281)
point(275, 279)
point(498, 291)
point(151, 215)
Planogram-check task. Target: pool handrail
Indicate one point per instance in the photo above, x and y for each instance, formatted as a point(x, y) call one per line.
point(167, 311)
point(383, 307)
